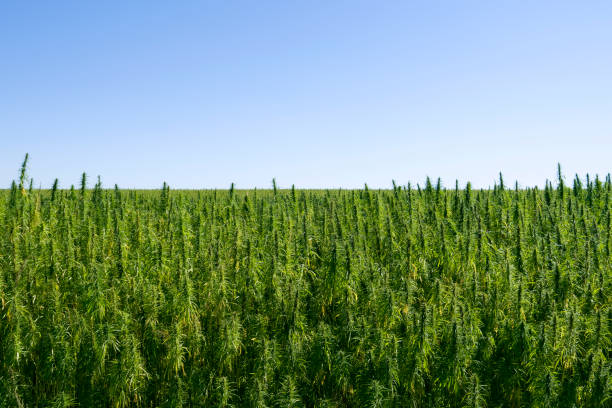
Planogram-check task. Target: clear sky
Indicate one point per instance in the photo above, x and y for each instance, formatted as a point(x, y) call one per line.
point(317, 93)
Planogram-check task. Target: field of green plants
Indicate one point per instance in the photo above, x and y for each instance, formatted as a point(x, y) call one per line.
point(415, 296)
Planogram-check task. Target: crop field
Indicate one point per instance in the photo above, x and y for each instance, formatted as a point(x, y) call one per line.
point(414, 296)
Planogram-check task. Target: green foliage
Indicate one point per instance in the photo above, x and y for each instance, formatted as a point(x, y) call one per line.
point(314, 298)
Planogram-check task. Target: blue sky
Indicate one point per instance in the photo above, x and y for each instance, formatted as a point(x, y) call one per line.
point(315, 93)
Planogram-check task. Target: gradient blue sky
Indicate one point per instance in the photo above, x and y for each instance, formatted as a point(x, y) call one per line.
point(317, 93)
